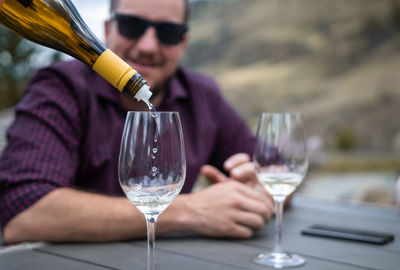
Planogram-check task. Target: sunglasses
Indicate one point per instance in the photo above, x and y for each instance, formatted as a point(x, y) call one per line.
point(134, 27)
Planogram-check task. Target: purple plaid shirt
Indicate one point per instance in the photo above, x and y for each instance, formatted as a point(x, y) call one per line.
point(69, 125)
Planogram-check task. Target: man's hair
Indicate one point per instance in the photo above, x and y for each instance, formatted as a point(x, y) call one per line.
point(114, 4)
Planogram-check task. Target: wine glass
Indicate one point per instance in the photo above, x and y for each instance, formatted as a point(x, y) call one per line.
point(152, 166)
point(281, 162)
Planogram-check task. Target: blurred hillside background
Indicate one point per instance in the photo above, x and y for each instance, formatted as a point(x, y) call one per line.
point(336, 61)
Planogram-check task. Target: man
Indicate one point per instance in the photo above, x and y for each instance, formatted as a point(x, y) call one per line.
point(58, 174)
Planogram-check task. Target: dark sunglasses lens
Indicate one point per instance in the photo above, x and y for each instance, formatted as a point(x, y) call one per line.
point(134, 27)
point(131, 27)
point(169, 33)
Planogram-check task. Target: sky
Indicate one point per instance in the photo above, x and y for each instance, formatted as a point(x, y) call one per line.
point(94, 13)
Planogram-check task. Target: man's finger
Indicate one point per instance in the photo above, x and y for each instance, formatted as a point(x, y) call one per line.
point(250, 220)
point(244, 173)
point(236, 160)
point(213, 174)
point(257, 203)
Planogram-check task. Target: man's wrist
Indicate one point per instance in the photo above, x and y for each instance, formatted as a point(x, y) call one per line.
point(177, 217)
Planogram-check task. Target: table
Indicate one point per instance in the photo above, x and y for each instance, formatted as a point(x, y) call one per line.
point(188, 251)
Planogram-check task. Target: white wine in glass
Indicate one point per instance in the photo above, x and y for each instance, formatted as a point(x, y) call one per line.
point(281, 162)
point(152, 166)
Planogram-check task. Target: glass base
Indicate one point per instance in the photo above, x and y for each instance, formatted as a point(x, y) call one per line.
point(279, 259)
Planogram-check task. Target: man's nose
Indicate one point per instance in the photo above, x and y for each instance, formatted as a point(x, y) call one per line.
point(148, 41)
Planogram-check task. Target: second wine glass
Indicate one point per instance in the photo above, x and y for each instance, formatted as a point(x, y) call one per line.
point(281, 163)
point(152, 166)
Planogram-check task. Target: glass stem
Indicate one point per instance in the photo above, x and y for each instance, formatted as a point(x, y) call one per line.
point(151, 222)
point(278, 223)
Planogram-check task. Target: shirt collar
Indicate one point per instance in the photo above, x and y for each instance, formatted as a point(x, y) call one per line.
point(176, 88)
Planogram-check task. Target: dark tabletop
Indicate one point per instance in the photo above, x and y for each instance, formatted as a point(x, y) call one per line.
point(187, 251)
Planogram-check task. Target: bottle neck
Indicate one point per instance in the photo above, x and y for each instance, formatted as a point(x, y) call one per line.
point(114, 69)
point(122, 76)
point(137, 87)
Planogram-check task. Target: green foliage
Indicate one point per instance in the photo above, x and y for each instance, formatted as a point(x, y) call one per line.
point(345, 139)
point(395, 12)
point(375, 25)
point(13, 70)
point(364, 162)
point(372, 25)
point(17, 62)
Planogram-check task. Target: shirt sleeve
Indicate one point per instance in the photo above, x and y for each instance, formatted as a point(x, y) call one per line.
point(41, 153)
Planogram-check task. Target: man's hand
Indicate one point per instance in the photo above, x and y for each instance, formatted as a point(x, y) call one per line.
point(240, 168)
point(229, 208)
point(226, 209)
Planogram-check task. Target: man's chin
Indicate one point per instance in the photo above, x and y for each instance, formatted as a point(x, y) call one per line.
point(156, 87)
point(150, 81)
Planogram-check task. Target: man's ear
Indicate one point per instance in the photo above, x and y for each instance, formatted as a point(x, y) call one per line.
point(107, 30)
point(185, 39)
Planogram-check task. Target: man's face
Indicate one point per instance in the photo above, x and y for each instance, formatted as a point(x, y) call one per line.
point(155, 61)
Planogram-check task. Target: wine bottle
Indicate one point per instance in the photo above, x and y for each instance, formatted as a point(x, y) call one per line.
point(57, 24)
